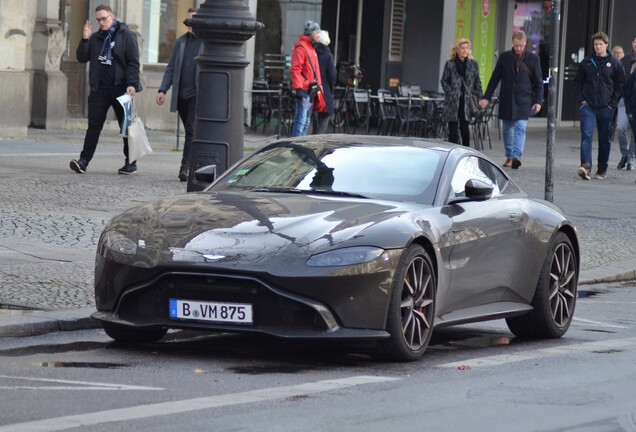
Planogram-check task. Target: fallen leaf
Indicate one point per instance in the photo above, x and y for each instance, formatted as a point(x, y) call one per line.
point(199, 371)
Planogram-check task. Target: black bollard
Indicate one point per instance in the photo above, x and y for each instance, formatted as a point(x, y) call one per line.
point(223, 26)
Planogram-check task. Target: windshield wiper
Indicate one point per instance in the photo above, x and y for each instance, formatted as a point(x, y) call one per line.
point(307, 191)
point(332, 192)
point(277, 189)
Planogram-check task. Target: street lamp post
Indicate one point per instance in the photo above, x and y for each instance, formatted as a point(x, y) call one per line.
point(555, 31)
point(223, 26)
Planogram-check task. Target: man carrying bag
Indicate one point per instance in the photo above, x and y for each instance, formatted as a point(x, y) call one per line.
point(113, 54)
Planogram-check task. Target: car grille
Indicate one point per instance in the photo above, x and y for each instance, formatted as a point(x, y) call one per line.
point(271, 308)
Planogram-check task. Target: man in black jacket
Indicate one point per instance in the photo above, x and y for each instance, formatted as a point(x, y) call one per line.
point(599, 86)
point(181, 75)
point(113, 54)
point(520, 95)
point(629, 59)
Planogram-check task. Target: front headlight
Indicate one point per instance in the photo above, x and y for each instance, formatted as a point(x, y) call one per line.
point(345, 257)
point(119, 243)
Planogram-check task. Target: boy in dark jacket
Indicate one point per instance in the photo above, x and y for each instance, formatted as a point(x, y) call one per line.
point(113, 54)
point(599, 86)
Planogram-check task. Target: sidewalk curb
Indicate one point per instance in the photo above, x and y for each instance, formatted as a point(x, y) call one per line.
point(622, 277)
point(43, 322)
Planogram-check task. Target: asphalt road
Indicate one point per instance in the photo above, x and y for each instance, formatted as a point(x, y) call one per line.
point(475, 377)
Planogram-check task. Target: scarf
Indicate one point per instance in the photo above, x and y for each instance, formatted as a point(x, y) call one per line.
point(106, 56)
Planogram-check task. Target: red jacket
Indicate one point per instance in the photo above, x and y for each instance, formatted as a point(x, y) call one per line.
point(301, 73)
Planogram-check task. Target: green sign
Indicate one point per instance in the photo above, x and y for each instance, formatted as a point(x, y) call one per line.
point(464, 19)
point(484, 38)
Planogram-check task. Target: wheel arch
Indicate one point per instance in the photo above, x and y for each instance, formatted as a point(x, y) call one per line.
point(570, 232)
point(427, 244)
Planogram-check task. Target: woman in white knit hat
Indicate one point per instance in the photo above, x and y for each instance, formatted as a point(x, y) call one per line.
point(328, 75)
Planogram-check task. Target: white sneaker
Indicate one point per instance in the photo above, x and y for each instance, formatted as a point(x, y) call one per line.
point(583, 173)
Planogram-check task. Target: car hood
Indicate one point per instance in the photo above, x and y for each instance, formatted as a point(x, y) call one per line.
point(256, 228)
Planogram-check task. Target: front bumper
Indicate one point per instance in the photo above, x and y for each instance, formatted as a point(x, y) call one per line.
point(276, 312)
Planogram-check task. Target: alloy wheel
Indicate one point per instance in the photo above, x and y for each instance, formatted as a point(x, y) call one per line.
point(563, 285)
point(417, 303)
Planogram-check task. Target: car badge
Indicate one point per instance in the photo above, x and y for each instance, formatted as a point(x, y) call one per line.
point(213, 257)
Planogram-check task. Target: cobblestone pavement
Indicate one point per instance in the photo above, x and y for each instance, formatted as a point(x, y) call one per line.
point(51, 217)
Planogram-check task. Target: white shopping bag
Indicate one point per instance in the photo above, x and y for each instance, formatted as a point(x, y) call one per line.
point(138, 144)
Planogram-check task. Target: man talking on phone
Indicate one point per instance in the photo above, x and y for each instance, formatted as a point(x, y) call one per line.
point(113, 54)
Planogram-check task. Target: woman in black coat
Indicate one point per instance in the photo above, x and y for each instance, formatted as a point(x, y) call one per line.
point(459, 79)
point(328, 74)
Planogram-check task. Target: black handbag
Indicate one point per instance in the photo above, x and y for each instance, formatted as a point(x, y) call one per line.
point(472, 109)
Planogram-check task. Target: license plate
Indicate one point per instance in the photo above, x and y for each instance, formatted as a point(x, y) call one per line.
point(211, 311)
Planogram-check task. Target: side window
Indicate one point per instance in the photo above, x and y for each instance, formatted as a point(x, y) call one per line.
point(472, 167)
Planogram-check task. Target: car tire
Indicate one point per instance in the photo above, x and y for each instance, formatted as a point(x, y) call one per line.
point(411, 308)
point(555, 297)
point(123, 333)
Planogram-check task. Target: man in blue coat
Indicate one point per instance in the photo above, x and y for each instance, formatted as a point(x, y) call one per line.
point(520, 95)
point(181, 74)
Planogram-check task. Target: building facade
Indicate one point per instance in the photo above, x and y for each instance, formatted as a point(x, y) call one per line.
point(392, 41)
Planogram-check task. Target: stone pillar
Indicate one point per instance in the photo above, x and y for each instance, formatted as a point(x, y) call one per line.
point(223, 26)
point(50, 85)
point(16, 28)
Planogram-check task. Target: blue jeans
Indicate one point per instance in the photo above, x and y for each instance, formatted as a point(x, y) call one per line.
point(602, 118)
point(514, 137)
point(625, 136)
point(304, 108)
point(632, 123)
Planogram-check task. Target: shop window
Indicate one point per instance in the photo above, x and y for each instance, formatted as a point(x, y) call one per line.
point(533, 18)
point(163, 24)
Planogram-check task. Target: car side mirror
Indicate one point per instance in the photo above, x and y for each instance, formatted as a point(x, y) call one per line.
point(205, 176)
point(477, 190)
point(474, 190)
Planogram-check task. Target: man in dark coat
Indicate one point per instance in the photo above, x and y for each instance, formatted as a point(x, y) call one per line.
point(599, 86)
point(629, 59)
point(113, 54)
point(181, 75)
point(520, 95)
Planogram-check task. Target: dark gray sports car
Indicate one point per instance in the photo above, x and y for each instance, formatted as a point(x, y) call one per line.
point(340, 236)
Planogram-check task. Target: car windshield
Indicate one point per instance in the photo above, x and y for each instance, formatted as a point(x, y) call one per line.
point(376, 171)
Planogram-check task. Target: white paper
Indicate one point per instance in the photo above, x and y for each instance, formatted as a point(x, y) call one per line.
point(126, 102)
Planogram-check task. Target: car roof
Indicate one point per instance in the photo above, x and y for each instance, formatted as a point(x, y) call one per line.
point(348, 139)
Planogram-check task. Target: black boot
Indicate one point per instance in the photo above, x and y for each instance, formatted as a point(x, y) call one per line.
point(622, 163)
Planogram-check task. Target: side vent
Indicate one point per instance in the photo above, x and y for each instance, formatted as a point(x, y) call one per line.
point(397, 30)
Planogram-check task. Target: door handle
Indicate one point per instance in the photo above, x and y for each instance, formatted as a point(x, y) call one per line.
point(514, 216)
